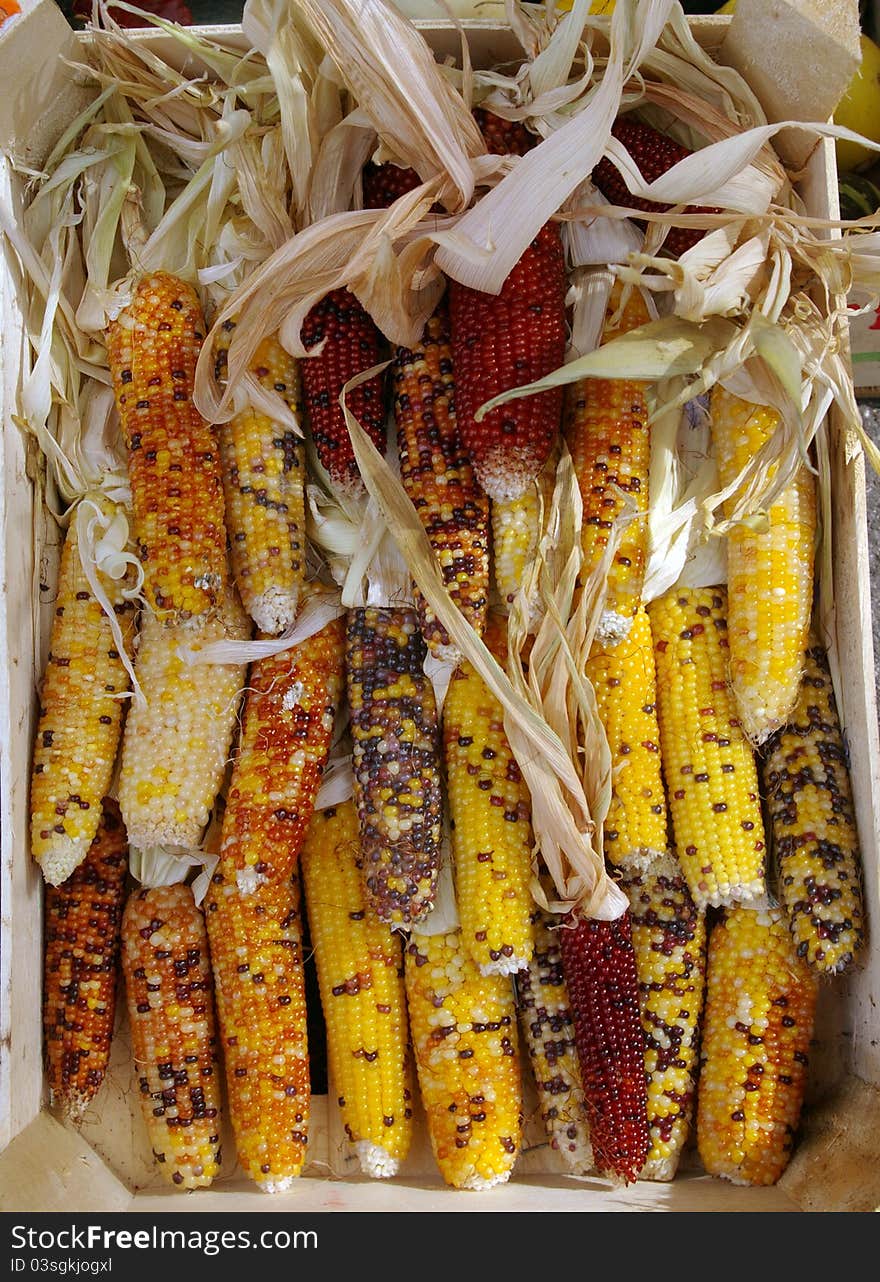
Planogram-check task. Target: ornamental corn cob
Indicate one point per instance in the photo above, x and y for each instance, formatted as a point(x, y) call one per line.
point(171, 1014)
point(438, 477)
point(384, 184)
point(396, 760)
point(81, 710)
point(598, 961)
point(504, 137)
point(465, 1041)
point(351, 344)
point(173, 456)
point(360, 972)
point(760, 1004)
point(257, 956)
point(175, 747)
point(501, 341)
point(263, 476)
point(547, 1026)
point(809, 798)
point(83, 918)
point(625, 683)
point(606, 428)
point(653, 153)
point(517, 527)
point(490, 813)
point(711, 778)
point(669, 938)
point(287, 729)
point(769, 573)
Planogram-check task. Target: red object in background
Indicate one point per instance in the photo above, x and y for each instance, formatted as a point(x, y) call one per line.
point(171, 10)
point(7, 9)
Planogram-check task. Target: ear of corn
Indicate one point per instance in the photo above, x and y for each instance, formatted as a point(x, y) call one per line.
point(81, 712)
point(769, 574)
point(360, 972)
point(289, 713)
point(760, 1005)
point(464, 1037)
point(173, 455)
point(547, 1025)
point(606, 428)
point(599, 965)
point(351, 344)
point(504, 137)
point(83, 918)
point(263, 480)
point(815, 839)
point(396, 759)
point(654, 153)
point(256, 952)
point(175, 747)
point(517, 526)
point(490, 813)
point(384, 184)
point(669, 938)
point(710, 772)
point(624, 679)
point(438, 477)
point(171, 1014)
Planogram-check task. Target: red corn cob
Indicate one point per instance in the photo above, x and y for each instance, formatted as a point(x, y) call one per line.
point(504, 137)
point(383, 184)
point(600, 970)
point(654, 153)
point(352, 343)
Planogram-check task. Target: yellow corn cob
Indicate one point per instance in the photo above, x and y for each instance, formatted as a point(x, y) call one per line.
point(490, 813)
point(517, 525)
point(547, 1026)
point(173, 458)
point(625, 683)
point(360, 974)
point(760, 1004)
point(80, 718)
point(710, 772)
point(171, 1014)
point(175, 748)
point(610, 443)
point(769, 574)
point(82, 926)
point(256, 952)
point(437, 476)
point(669, 938)
point(809, 798)
point(464, 1036)
point(263, 475)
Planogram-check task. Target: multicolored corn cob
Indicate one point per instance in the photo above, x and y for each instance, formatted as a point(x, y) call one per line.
point(175, 747)
point(758, 1022)
point(396, 758)
point(263, 480)
point(360, 972)
point(287, 729)
point(547, 1026)
point(81, 710)
point(624, 679)
point(606, 428)
point(654, 153)
point(815, 839)
point(173, 454)
point(708, 764)
point(351, 344)
point(769, 573)
point(490, 813)
point(465, 1040)
point(501, 341)
point(669, 938)
point(83, 918)
point(257, 956)
point(438, 477)
point(171, 1015)
point(598, 961)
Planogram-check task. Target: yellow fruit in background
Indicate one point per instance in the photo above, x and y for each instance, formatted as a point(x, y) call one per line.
point(859, 109)
point(598, 6)
point(727, 8)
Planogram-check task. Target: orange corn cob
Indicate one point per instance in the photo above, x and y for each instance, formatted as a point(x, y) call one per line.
point(173, 454)
point(171, 1015)
point(83, 918)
